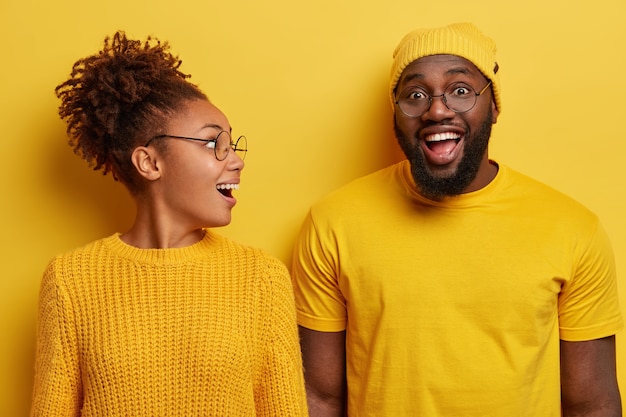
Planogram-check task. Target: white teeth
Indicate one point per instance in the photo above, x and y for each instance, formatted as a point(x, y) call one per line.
point(442, 136)
point(227, 186)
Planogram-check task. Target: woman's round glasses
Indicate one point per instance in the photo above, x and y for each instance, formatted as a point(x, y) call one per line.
point(414, 101)
point(221, 144)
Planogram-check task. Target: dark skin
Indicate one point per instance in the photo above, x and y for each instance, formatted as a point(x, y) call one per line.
point(588, 372)
point(588, 376)
point(324, 357)
point(588, 379)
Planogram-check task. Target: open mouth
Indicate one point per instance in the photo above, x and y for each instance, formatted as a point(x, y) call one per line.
point(442, 143)
point(227, 189)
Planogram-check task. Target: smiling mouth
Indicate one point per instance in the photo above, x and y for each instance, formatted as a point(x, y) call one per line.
point(227, 189)
point(442, 143)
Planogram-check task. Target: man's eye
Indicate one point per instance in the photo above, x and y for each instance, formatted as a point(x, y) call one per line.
point(211, 144)
point(416, 95)
point(461, 91)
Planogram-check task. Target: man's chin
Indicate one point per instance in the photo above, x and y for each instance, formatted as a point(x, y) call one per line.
point(440, 172)
point(437, 184)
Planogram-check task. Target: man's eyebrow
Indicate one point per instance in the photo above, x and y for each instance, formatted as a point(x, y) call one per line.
point(459, 70)
point(451, 71)
point(412, 77)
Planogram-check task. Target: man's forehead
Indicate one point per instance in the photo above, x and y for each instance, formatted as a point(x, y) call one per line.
point(448, 63)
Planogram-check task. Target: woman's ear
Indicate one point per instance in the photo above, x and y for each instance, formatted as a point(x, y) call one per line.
point(145, 162)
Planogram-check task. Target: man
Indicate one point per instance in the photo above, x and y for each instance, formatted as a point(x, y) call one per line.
point(449, 284)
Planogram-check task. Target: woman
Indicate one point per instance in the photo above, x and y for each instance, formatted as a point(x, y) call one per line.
point(168, 318)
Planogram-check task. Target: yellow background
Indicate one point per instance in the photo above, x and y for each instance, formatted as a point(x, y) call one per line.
point(307, 83)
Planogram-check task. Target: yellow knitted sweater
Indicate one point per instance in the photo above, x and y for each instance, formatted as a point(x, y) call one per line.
point(205, 330)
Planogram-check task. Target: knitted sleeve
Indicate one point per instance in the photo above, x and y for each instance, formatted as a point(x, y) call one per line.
point(57, 388)
point(279, 390)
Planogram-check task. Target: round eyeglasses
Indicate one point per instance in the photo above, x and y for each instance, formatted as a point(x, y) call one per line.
point(221, 144)
point(414, 101)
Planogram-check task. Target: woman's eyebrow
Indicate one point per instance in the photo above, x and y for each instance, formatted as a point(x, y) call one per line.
point(213, 126)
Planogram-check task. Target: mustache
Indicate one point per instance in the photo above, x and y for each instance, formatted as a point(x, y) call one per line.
point(437, 187)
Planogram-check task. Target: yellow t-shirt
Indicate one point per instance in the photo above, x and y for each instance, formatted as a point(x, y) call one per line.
point(454, 308)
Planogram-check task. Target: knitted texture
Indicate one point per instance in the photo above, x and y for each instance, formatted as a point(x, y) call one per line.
point(205, 330)
point(460, 39)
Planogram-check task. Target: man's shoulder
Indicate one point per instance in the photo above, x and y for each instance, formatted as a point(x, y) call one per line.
point(532, 191)
point(365, 187)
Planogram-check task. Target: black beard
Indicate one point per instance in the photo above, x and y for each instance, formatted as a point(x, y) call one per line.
point(437, 188)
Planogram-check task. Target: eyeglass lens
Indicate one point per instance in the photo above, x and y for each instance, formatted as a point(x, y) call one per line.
point(415, 101)
point(241, 147)
point(222, 145)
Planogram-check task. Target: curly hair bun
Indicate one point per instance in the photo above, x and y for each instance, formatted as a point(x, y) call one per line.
point(118, 95)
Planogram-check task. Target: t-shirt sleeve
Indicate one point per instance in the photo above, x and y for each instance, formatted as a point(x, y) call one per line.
point(320, 303)
point(588, 303)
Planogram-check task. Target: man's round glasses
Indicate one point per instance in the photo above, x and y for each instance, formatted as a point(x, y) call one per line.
point(221, 144)
point(414, 101)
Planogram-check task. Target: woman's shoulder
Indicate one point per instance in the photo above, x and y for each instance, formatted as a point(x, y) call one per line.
point(251, 257)
point(94, 247)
